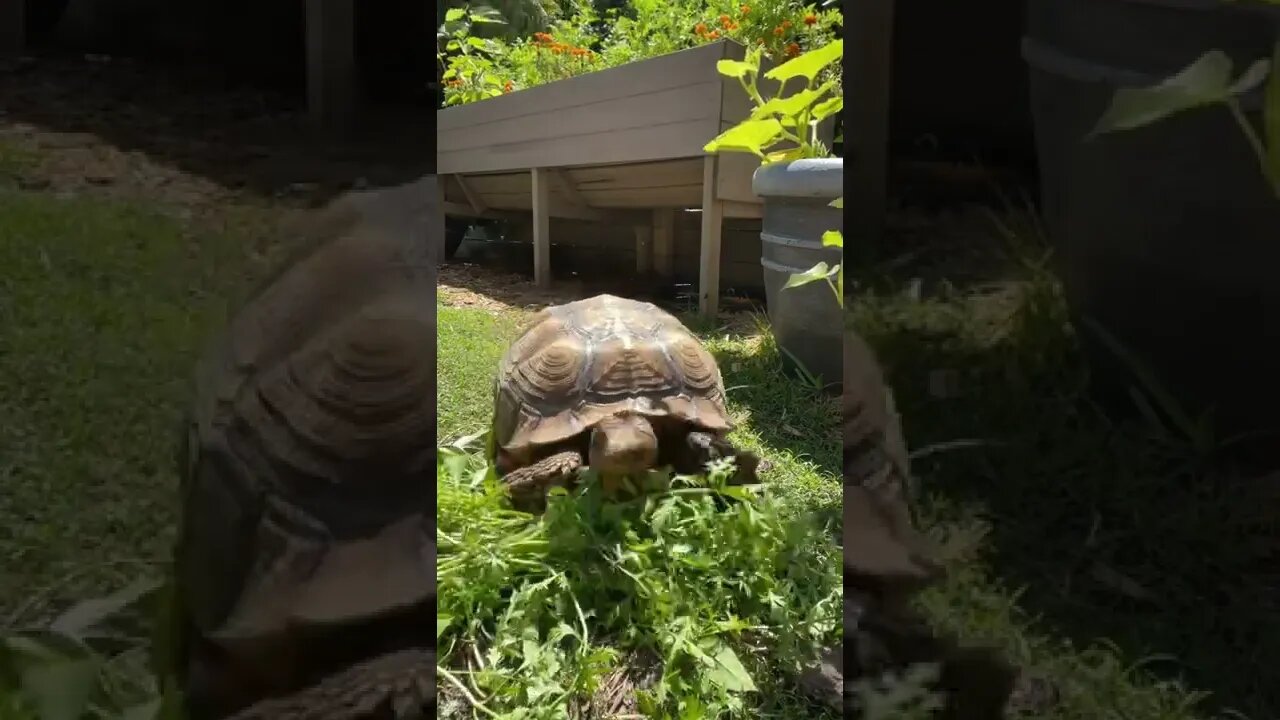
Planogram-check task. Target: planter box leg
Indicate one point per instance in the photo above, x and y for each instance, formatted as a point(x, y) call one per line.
point(12, 28)
point(709, 257)
point(868, 121)
point(541, 228)
point(331, 75)
point(664, 246)
point(644, 250)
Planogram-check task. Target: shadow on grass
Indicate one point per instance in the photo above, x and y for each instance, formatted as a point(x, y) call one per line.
point(1115, 532)
point(193, 119)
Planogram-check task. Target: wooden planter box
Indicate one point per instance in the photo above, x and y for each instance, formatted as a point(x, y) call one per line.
point(606, 146)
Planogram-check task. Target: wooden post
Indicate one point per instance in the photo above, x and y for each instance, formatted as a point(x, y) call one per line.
point(331, 77)
point(709, 257)
point(664, 241)
point(867, 120)
point(644, 249)
point(12, 28)
point(541, 228)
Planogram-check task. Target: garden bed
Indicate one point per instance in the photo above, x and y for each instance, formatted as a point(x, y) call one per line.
point(605, 146)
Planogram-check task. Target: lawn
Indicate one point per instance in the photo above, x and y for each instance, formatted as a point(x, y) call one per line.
point(1099, 550)
point(103, 307)
point(661, 581)
point(1127, 574)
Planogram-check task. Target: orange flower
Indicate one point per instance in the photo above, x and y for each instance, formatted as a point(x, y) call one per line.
point(810, 19)
point(745, 9)
point(713, 34)
point(700, 29)
point(724, 19)
point(793, 50)
point(557, 49)
point(507, 87)
point(786, 23)
point(778, 31)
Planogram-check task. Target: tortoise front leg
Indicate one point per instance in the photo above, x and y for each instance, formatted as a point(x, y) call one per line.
point(706, 447)
point(530, 483)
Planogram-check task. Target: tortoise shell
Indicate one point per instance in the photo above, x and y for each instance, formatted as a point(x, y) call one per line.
point(577, 363)
point(307, 448)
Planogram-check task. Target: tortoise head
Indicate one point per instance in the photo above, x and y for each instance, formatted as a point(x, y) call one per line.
point(623, 444)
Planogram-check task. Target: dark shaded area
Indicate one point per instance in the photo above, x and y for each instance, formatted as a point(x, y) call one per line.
point(217, 89)
point(1114, 531)
point(972, 105)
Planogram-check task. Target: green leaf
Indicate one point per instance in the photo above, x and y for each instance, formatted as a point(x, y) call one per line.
point(791, 105)
point(84, 616)
point(813, 274)
point(727, 671)
point(833, 238)
point(454, 14)
point(1271, 119)
point(1204, 82)
point(748, 136)
point(828, 107)
point(735, 68)
point(60, 689)
point(787, 155)
point(442, 622)
point(809, 64)
point(837, 203)
point(1252, 77)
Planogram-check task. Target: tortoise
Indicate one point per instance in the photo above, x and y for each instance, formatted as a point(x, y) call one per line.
point(618, 385)
point(306, 548)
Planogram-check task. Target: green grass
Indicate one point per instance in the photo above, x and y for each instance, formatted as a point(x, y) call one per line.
point(730, 603)
point(103, 307)
point(1098, 543)
point(777, 416)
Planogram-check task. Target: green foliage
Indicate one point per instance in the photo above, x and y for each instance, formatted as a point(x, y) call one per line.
point(787, 120)
point(538, 614)
point(89, 663)
point(830, 238)
point(584, 39)
point(1207, 82)
point(470, 74)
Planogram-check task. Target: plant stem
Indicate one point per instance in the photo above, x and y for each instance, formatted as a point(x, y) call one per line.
point(1255, 142)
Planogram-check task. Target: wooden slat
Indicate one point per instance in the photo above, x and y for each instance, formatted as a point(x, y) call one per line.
point(680, 104)
point(541, 228)
point(709, 258)
point(602, 177)
point(640, 144)
point(568, 189)
point(870, 76)
point(664, 224)
point(331, 78)
point(733, 209)
point(687, 67)
point(473, 198)
point(646, 199)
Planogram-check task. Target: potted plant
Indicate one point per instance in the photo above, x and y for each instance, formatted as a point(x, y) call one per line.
point(1166, 239)
point(801, 185)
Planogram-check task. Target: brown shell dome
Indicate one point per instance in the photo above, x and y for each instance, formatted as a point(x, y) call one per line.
point(579, 362)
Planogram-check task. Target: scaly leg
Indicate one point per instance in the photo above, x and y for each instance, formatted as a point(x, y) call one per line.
point(707, 447)
point(528, 485)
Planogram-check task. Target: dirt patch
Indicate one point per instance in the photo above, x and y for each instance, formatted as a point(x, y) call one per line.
point(183, 137)
point(476, 286)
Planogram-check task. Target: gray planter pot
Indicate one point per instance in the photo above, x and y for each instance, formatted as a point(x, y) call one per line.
point(806, 320)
